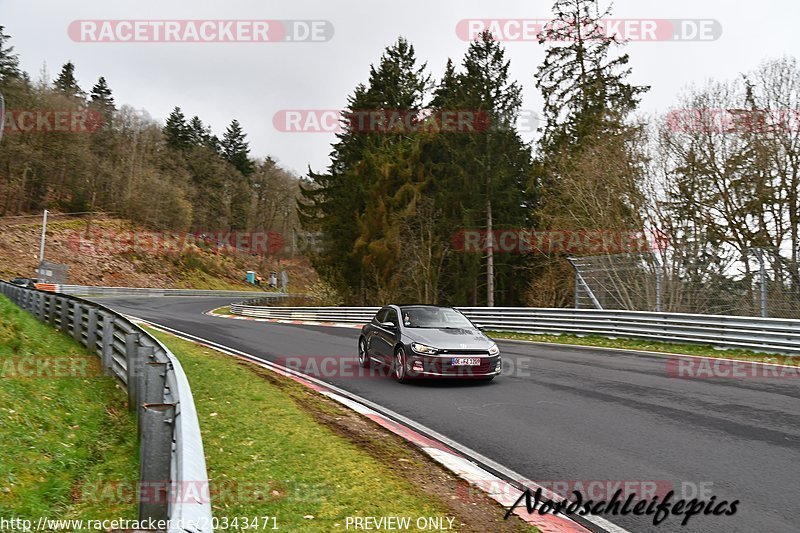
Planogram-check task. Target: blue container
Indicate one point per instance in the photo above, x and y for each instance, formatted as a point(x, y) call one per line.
point(251, 277)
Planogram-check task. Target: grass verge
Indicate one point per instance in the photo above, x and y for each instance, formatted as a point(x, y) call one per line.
point(65, 430)
point(274, 448)
point(225, 311)
point(200, 280)
point(650, 346)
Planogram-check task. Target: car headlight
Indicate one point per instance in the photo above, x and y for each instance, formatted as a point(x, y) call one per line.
point(494, 350)
point(423, 349)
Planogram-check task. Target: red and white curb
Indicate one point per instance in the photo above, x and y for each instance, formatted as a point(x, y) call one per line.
point(285, 320)
point(501, 491)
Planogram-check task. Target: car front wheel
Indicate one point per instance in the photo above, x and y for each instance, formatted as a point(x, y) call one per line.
point(400, 370)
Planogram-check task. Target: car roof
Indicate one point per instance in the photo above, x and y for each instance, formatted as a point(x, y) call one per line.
point(407, 306)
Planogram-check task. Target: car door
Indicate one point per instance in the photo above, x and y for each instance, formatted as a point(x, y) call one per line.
point(385, 338)
point(373, 337)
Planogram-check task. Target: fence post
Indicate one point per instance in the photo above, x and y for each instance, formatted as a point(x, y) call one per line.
point(108, 341)
point(41, 307)
point(762, 273)
point(52, 301)
point(144, 355)
point(155, 381)
point(133, 367)
point(77, 321)
point(659, 290)
point(155, 455)
point(91, 331)
point(65, 315)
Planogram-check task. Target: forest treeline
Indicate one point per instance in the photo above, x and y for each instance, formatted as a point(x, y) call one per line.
point(172, 176)
point(717, 176)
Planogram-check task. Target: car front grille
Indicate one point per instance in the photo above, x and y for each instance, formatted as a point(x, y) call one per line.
point(443, 366)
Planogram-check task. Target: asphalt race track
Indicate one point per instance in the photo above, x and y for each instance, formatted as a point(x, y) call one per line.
point(573, 415)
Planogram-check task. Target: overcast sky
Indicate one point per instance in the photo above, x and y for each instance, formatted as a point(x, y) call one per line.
point(251, 81)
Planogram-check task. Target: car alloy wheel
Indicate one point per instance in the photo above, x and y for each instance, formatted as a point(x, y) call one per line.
point(400, 365)
point(363, 359)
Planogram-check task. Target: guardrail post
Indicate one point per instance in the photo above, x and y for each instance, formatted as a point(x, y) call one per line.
point(155, 379)
point(133, 367)
point(45, 312)
point(144, 355)
point(91, 331)
point(40, 308)
point(108, 340)
point(77, 321)
point(64, 315)
point(155, 455)
point(52, 303)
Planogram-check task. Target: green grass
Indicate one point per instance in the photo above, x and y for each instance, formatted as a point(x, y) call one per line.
point(260, 438)
point(197, 279)
point(651, 346)
point(60, 438)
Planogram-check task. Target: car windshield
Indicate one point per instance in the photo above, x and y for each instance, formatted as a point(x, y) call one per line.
point(434, 317)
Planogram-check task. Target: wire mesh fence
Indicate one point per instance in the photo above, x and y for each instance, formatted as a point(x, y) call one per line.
point(710, 280)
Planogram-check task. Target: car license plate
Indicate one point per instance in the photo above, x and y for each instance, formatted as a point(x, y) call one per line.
point(466, 361)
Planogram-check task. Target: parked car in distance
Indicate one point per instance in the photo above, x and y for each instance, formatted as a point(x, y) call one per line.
point(24, 282)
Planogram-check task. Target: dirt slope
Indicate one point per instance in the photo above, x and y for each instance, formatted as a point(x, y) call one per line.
point(106, 256)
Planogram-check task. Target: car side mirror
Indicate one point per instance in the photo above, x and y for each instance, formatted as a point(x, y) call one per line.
point(479, 327)
point(389, 325)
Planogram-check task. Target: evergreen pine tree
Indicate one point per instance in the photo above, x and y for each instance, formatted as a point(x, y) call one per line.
point(484, 181)
point(9, 61)
point(66, 83)
point(176, 130)
point(235, 148)
point(101, 96)
point(585, 91)
point(198, 133)
point(368, 179)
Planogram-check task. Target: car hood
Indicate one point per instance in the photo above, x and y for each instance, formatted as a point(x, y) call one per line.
point(450, 339)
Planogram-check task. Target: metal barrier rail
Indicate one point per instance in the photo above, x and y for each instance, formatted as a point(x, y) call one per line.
point(771, 335)
point(173, 481)
point(88, 290)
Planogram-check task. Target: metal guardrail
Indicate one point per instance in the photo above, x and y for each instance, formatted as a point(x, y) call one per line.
point(88, 290)
point(771, 335)
point(173, 481)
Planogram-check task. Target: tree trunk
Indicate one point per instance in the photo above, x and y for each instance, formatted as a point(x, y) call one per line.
point(489, 256)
